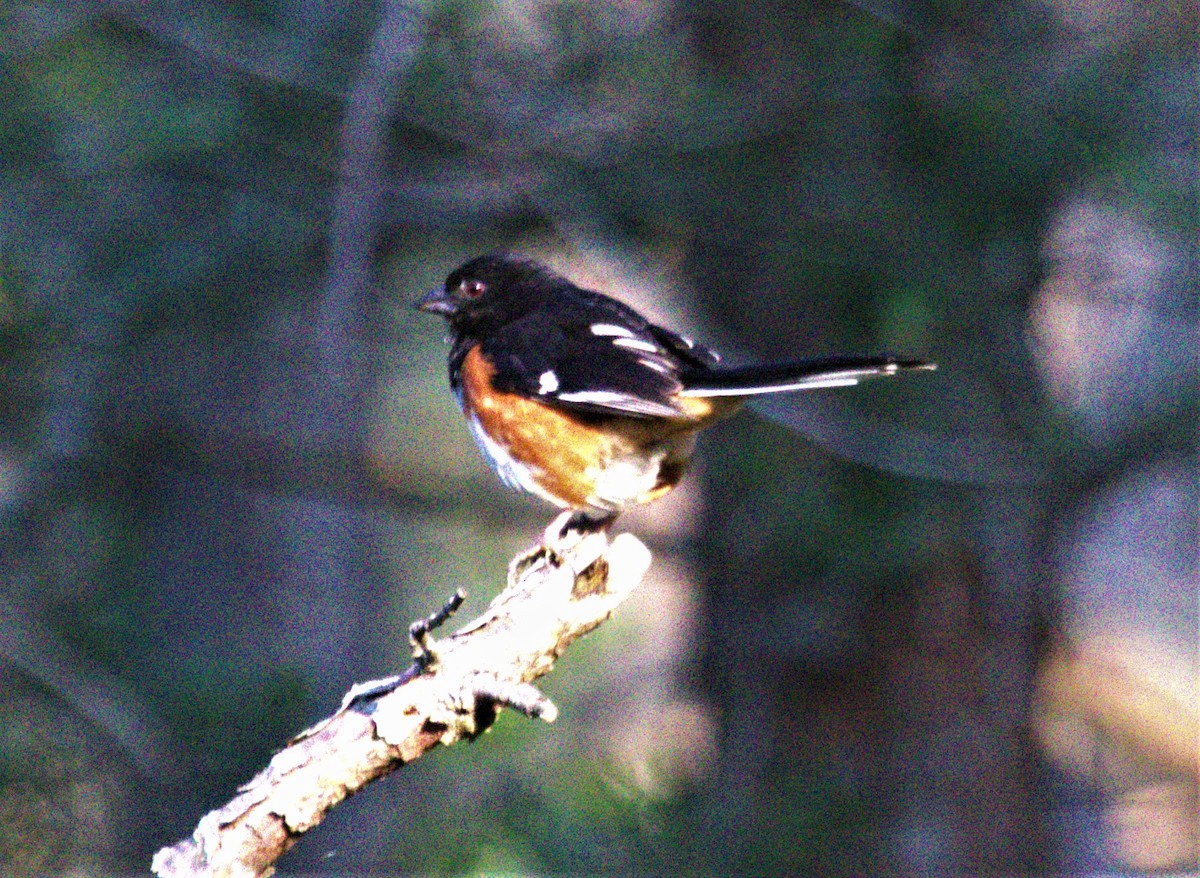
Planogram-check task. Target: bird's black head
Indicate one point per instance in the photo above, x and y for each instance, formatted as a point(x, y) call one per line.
point(490, 291)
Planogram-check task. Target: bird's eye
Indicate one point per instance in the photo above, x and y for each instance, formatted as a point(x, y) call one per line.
point(472, 289)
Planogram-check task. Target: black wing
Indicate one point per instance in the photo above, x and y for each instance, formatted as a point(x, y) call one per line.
point(602, 360)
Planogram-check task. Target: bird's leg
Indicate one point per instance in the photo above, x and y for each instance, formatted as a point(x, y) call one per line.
point(576, 521)
point(577, 537)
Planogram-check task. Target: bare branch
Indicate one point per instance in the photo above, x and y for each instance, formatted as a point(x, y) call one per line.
point(453, 691)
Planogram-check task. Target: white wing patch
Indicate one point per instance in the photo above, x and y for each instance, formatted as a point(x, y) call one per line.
point(655, 365)
point(624, 338)
point(547, 382)
point(637, 344)
point(610, 329)
point(621, 403)
point(599, 397)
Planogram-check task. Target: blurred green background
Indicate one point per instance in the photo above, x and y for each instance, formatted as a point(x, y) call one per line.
point(231, 471)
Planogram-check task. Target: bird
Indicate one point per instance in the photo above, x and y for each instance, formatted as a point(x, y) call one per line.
point(574, 397)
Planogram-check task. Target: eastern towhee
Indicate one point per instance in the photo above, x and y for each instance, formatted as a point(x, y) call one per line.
point(577, 398)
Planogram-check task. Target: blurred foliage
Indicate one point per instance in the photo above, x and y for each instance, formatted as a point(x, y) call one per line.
point(211, 528)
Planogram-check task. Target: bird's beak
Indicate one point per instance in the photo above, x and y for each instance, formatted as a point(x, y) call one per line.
point(437, 301)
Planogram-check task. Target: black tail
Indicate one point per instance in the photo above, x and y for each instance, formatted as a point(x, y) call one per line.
point(806, 375)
